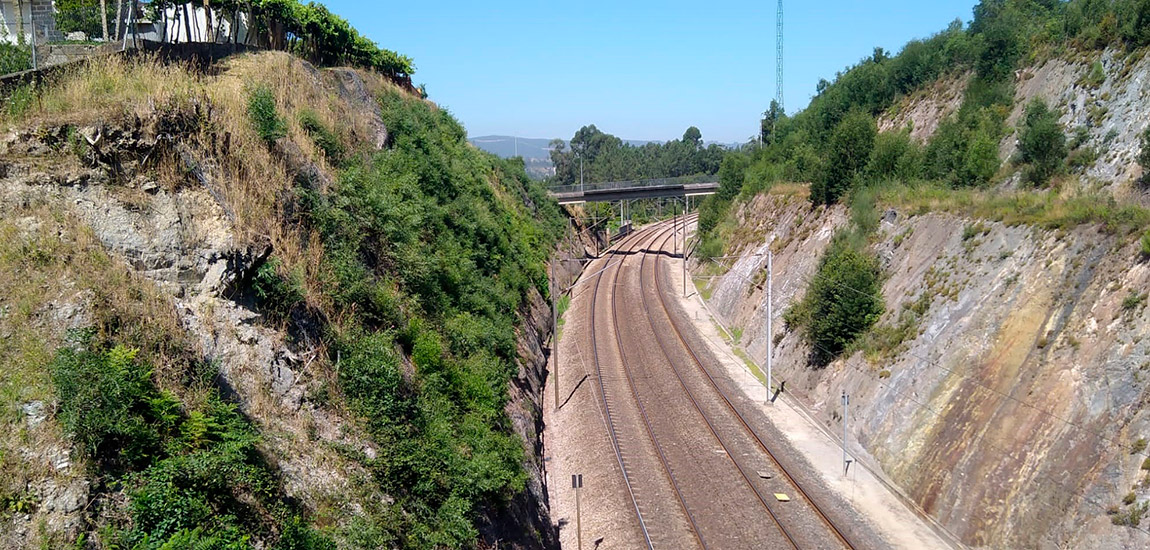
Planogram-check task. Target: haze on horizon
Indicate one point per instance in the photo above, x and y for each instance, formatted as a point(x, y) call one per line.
point(641, 70)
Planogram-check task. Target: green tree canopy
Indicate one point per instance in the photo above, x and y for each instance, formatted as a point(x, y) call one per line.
point(1041, 142)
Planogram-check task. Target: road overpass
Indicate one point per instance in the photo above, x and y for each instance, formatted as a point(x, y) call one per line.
point(639, 189)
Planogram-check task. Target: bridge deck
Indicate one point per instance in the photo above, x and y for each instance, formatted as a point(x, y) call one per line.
point(611, 192)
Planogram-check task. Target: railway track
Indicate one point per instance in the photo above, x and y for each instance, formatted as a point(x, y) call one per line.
point(633, 428)
point(613, 421)
point(726, 401)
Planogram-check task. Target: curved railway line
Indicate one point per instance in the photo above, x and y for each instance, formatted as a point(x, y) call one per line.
point(612, 421)
point(629, 445)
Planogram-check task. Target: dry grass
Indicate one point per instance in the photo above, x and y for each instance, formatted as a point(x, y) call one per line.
point(250, 177)
point(1046, 209)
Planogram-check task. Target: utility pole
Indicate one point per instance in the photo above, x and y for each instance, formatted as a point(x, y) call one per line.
point(846, 461)
point(555, 332)
point(580, 172)
point(770, 313)
point(685, 208)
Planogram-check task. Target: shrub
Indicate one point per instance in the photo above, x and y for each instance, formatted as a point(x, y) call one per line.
point(14, 59)
point(1140, 444)
point(1144, 155)
point(1041, 142)
point(1145, 242)
point(108, 405)
point(1133, 301)
point(262, 111)
point(850, 149)
point(894, 156)
point(323, 138)
point(732, 171)
point(276, 293)
point(1096, 77)
point(84, 16)
point(843, 301)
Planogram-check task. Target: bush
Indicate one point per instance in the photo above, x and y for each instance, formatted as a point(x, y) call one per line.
point(1041, 142)
point(108, 405)
point(732, 172)
point(1144, 156)
point(262, 111)
point(323, 138)
point(894, 156)
point(14, 59)
point(850, 149)
point(1145, 242)
point(842, 302)
point(84, 16)
point(276, 293)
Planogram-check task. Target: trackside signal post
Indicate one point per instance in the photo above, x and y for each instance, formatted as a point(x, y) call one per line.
point(577, 483)
point(846, 461)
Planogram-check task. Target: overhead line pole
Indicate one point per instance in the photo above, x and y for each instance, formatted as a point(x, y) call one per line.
point(770, 313)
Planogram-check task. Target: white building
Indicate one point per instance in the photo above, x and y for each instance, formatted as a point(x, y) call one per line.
point(23, 18)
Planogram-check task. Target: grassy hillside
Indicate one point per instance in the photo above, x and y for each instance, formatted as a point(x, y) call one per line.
point(397, 274)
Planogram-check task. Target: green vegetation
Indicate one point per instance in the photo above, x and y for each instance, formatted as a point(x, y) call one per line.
point(843, 301)
point(277, 292)
point(195, 477)
point(848, 152)
point(605, 157)
point(1145, 242)
point(1041, 142)
point(84, 16)
point(1134, 300)
point(425, 257)
point(322, 136)
point(1144, 156)
point(309, 30)
point(262, 109)
point(14, 58)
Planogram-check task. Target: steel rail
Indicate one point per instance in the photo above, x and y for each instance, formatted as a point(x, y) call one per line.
point(612, 431)
point(742, 420)
point(637, 239)
point(730, 454)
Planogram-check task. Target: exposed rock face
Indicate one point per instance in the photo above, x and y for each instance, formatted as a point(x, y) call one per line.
point(1011, 411)
point(186, 241)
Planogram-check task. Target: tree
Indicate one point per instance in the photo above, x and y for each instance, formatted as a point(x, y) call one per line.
point(1041, 142)
point(693, 138)
point(850, 149)
point(770, 119)
point(732, 174)
point(843, 301)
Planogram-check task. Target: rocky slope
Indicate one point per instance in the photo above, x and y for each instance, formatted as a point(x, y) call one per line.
point(97, 232)
point(1005, 387)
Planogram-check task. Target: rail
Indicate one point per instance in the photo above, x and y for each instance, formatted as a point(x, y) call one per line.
point(742, 420)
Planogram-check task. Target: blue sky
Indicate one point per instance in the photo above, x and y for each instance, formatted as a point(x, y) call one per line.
point(637, 69)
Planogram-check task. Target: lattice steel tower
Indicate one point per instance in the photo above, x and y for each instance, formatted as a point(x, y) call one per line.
point(779, 59)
